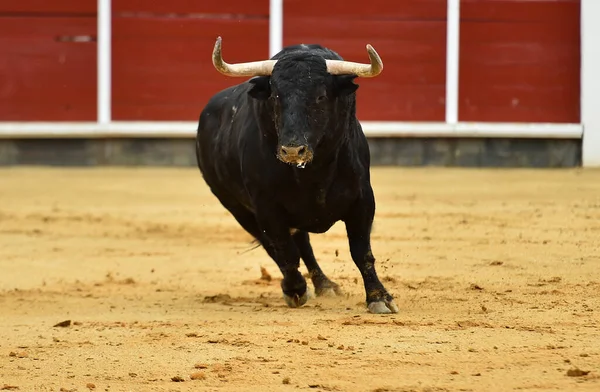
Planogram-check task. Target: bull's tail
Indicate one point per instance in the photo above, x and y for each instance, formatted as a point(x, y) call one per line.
point(253, 245)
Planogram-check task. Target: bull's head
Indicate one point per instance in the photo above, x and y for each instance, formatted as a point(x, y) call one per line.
point(306, 94)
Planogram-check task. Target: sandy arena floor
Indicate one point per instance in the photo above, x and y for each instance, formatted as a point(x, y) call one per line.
point(496, 272)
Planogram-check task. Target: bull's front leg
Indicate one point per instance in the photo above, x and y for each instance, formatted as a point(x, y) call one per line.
point(278, 242)
point(358, 227)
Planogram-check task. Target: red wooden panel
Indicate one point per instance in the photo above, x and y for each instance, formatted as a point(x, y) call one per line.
point(410, 37)
point(51, 28)
point(235, 7)
point(378, 9)
point(49, 6)
point(42, 78)
point(526, 70)
point(553, 97)
point(560, 55)
point(524, 74)
point(540, 105)
point(162, 67)
point(409, 102)
point(508, 33)
point(557, 11)
point(312, 30)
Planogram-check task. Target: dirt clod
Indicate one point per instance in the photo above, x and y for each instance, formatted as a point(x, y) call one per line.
point(576, 372)
point(265, 275)
point(216, 298)
point(63, 324)
point(286, 380)
point(90, 386)
point(198, 376)
point(177, 379)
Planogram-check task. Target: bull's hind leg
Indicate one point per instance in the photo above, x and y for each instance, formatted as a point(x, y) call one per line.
point(323, 285)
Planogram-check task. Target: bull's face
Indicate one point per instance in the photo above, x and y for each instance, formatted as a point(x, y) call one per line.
point(305, 94)
point(304, 101)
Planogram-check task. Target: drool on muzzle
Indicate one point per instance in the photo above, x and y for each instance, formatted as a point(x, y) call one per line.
point(295, 155)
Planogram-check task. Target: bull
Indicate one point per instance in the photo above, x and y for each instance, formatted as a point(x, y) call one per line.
point(285, 154)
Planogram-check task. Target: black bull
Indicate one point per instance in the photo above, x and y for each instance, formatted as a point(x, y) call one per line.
point(285, 154)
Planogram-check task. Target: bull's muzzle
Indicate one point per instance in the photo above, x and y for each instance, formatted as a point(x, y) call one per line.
point(295, 155)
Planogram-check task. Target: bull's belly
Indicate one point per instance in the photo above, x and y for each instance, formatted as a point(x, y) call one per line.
point(314, 224)
point(315, 217)
point(319, 228)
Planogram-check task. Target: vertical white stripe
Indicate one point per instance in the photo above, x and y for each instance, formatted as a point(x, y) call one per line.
point(452, 58)
point(275, 26)
point(590, 82)
point(104, 61)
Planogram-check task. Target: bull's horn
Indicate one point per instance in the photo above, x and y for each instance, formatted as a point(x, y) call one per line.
point(265, 67)
point(255, 68)
point(338, 67)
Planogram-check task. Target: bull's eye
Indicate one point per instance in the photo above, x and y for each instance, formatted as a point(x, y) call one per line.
point(321, 98)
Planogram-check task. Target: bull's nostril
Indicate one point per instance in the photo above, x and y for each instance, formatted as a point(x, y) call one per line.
point(294, 154)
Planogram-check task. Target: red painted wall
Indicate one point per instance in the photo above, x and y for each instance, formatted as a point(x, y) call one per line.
point(520, 60)
point(43, 75)
point(410, 37)
point(162, 64)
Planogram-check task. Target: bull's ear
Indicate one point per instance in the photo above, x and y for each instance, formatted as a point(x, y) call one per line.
point(261, 88)
point(344, 85)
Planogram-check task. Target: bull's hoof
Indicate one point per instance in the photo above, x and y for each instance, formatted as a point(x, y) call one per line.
point(296, 301)
point(383, 307)
point(328, 289)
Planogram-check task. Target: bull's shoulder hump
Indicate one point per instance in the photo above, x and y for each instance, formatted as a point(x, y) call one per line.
point(230, 92)
point(228, 97)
